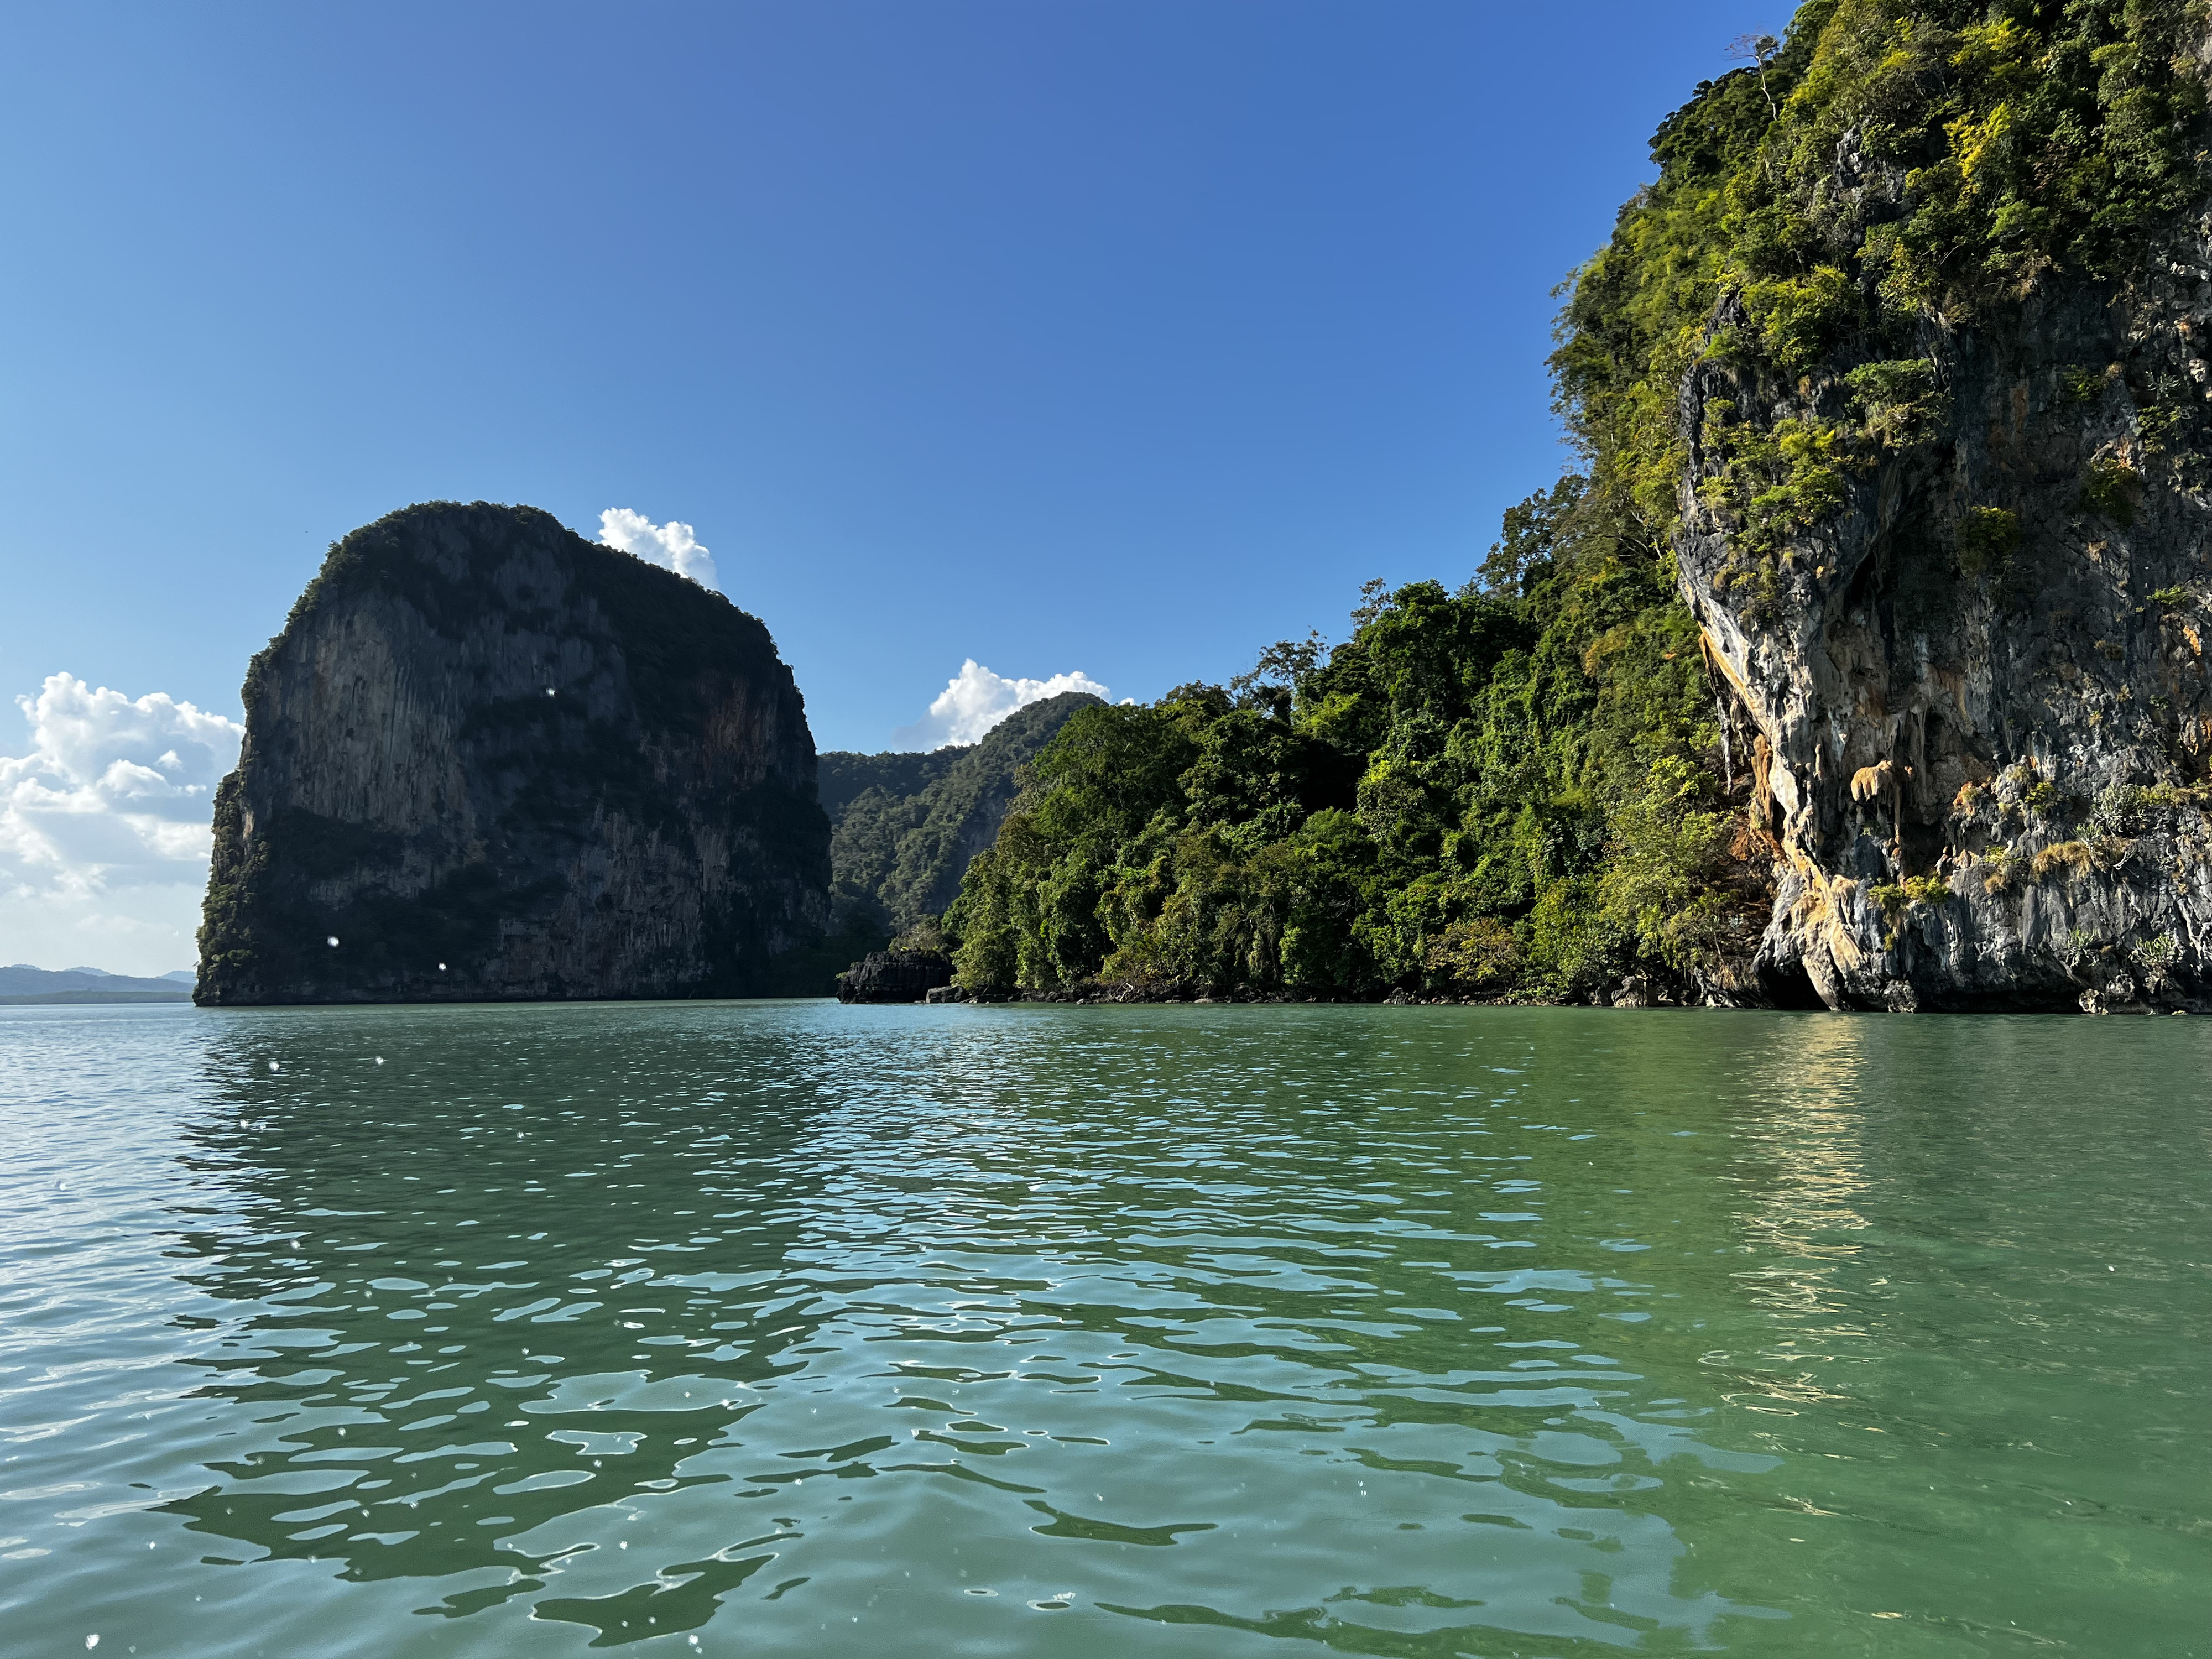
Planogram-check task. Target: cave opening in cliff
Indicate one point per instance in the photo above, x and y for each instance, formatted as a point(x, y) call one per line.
point(1789, 987)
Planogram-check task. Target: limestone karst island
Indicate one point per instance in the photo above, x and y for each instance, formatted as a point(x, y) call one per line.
point(593, 1107)
point(1860, 664)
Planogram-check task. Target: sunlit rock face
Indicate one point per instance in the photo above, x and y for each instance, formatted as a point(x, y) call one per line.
point(490, 760)
point(1974, 701)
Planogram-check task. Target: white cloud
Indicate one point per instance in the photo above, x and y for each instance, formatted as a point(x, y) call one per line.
point(670, 545)
point(104, 827)
point(974, 700)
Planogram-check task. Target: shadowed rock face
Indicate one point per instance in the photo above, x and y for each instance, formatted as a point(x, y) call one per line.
point(894, 976)
point(1999, 642)
point(485, 743)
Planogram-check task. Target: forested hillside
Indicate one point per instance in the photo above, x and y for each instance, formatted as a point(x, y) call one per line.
point(1513, 786)
point(1535, 778)
point(845, 777)
point(904, 826)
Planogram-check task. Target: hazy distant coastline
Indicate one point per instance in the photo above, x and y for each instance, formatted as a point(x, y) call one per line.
point(22, 985)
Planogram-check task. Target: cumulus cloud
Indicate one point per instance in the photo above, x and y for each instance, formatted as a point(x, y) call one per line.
point(974, 700)
point(672, 545)
point(105, 826)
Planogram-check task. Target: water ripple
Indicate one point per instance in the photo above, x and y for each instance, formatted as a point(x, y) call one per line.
point(801, 1329)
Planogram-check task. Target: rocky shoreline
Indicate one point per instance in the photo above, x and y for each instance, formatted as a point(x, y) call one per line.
point(915, 977)
point(880, 979)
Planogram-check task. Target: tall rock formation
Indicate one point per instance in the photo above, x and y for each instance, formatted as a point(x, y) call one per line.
point(487, 759)
point(1979, 708)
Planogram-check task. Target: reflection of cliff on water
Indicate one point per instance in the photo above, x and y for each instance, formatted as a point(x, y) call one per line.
point(476, 1290)
point(1100, 1300)
point(1799, 1172)
point(1357, 1237)
point(1847, 1124)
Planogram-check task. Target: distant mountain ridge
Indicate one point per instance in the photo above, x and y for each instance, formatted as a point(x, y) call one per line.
point(20, 981)
point(845, 777)
point(904, 826)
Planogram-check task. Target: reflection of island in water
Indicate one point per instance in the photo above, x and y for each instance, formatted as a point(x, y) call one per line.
point(470, 1314)
point(1295, 1327)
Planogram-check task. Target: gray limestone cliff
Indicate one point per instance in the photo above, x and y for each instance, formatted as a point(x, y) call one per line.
point(487, 759)
point(1974, 703)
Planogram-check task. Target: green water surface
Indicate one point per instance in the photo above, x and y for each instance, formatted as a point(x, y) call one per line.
point(798, 1329)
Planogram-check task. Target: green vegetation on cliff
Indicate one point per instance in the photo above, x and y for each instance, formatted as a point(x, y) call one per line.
point(906, 825)
point(1891, 174)
point(1526, 786)
point(844, 776)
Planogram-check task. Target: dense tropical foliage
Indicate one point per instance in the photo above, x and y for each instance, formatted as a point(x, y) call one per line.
point(1508, 787)
point(1828, 219)
point(1524, 786)
point(904, 826)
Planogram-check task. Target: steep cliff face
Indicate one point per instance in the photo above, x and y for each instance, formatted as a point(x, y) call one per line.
point(1974, 699)
point(1898, 363)
point(488, 760)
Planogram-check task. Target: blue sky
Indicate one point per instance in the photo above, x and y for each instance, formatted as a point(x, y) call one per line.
point(1113, 339)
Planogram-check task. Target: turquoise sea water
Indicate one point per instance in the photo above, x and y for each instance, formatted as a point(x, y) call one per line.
point(796, 1329)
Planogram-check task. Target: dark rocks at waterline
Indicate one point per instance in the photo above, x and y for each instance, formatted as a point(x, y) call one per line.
point(896, 976)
